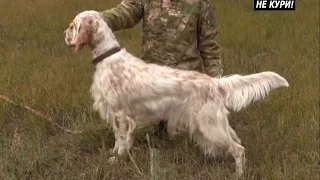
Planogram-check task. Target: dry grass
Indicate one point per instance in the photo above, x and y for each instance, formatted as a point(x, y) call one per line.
point(281, 134)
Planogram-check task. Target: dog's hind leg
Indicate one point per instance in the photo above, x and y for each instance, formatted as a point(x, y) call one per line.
point(215, 137)
point(238, 153)
point(216, 142)
point(236, 150)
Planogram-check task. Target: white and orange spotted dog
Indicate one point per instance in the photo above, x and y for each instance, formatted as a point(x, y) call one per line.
point(130, 94)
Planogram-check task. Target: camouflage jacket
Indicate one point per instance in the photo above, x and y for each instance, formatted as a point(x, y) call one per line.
point(177, 33)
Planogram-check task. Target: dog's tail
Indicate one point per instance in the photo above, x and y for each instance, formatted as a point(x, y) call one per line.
point(240, 91)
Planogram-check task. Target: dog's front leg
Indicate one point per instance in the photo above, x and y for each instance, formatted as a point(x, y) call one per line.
point(123, 127)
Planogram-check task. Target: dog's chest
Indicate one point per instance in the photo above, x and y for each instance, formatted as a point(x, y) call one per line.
point(101, 89)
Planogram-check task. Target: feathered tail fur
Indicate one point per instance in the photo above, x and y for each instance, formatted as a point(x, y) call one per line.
point(242, 90)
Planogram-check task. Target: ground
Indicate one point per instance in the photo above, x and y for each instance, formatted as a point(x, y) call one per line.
point(280, 134)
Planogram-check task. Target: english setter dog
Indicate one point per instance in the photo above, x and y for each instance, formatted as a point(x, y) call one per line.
point(131, 94)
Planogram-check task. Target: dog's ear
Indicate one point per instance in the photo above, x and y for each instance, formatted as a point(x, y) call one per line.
point(82, 38)
point(88, 27)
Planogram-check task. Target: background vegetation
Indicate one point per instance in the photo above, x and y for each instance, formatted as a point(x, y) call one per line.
point(281, 134)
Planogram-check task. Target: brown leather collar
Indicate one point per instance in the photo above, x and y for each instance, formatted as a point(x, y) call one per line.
point(108, 53)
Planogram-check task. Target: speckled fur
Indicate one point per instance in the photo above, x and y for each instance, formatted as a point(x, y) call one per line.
point(130, 94)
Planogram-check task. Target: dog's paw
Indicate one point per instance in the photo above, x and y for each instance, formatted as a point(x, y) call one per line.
point(113, 160)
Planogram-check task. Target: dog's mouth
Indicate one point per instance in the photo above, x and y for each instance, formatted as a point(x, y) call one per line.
point(68, 41)
point(69, 44)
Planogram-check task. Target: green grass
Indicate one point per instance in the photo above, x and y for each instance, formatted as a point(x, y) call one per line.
point(281, 134)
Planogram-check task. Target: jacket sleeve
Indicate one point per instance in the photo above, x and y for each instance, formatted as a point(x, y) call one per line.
point(207, 41)
point(126, 15)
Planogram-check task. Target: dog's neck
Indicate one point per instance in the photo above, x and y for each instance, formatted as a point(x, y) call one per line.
point(107, 46)
point(105, 55)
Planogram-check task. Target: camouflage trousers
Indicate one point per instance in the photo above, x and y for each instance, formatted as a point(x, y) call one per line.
point(162, 129)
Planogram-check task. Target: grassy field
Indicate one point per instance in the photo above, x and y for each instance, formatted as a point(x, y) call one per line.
point(281, 134)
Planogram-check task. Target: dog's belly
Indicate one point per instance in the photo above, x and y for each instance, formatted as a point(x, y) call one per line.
point(151, 112)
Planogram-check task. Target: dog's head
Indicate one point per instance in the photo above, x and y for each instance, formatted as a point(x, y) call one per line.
point(84, 30)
